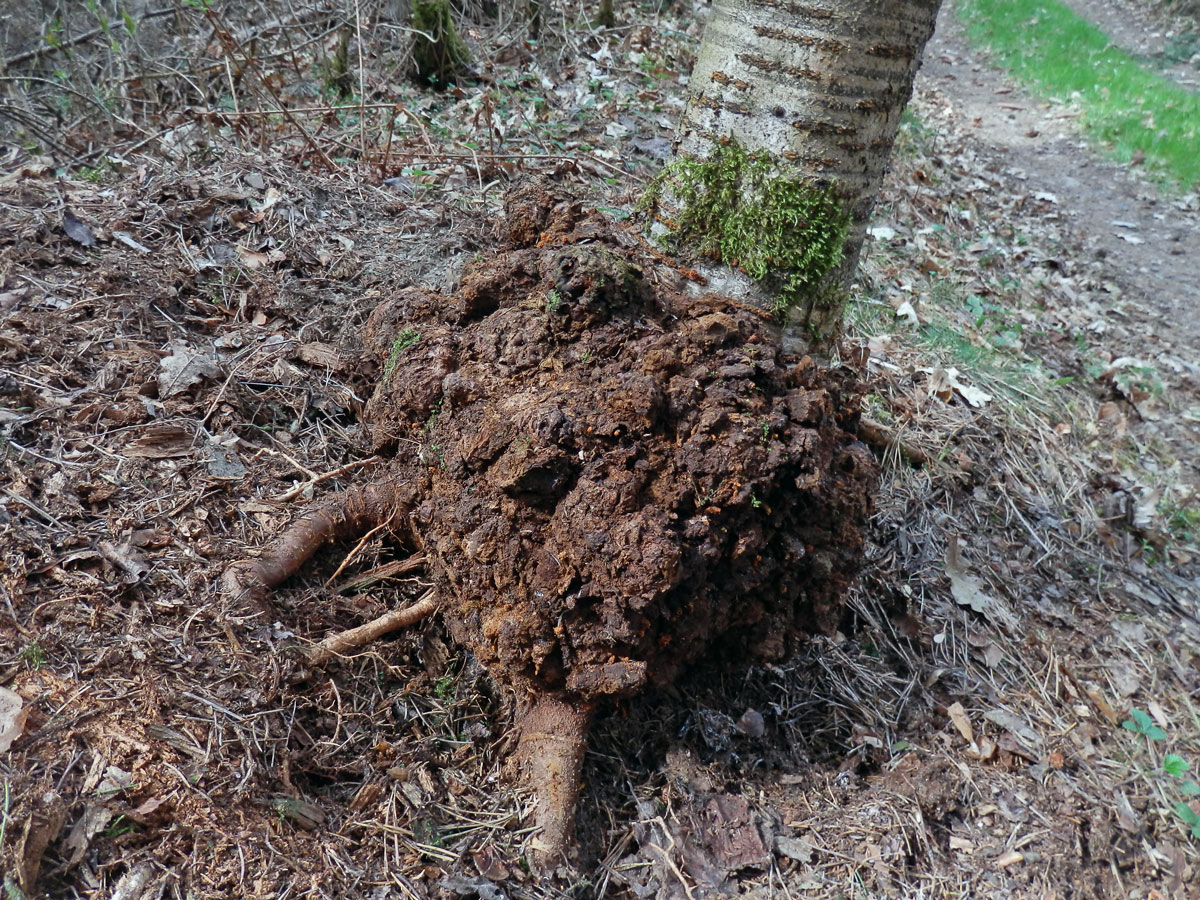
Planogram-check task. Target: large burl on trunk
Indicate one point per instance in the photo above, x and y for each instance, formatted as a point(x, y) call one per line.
point(608, 477)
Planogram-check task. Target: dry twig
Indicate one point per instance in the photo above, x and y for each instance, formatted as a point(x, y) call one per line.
point(345, 641)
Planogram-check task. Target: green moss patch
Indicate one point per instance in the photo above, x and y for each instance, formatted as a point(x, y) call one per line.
point(743, 209)
point(439, 53)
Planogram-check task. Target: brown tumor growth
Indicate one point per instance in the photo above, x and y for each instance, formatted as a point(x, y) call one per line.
point(609, 478)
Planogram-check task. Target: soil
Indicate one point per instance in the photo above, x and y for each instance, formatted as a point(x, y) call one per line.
point(611, 474)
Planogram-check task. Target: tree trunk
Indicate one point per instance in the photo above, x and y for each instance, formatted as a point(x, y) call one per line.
point(820, 86)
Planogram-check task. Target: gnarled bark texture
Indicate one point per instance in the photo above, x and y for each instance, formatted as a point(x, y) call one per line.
point(820, 84)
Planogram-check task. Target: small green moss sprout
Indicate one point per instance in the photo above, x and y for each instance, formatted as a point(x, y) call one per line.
point(403, 341)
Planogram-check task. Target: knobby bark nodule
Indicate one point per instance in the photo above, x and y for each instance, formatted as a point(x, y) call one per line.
point(818, 89)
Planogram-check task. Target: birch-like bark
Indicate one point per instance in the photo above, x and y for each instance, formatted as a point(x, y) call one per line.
point(821, 85)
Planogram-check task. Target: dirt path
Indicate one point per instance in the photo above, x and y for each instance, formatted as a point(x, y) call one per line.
point(1149, 241)
point(1148, 31)
point(1126, 249)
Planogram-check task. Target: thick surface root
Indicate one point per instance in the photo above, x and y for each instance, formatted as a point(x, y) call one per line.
point(552, 745)
point(353, 638)
point(344, 516)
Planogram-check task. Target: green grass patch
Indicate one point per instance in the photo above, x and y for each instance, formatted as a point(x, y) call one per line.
point(980, 337)
point(1124, 104)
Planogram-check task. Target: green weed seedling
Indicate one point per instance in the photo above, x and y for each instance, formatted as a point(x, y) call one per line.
point(993, 323)
point(431, 422)
point(1183, 522)
point(403, 341)
point(1174, 766)
point(444, 688)
point(766, 432)
point(35, 655)
point(119, 826)
point(1190, 818)
point(1139, 722)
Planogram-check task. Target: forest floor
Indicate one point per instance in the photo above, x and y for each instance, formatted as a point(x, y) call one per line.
point(1010, 709)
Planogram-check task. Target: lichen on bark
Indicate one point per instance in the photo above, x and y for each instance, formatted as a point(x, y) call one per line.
point(746, 210)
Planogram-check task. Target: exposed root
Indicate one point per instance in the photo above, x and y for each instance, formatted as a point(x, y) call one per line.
point(553, 742)
point(882, 438)
point(393, 569)
point(340, 517)
point(344, 641)
point(314, 479)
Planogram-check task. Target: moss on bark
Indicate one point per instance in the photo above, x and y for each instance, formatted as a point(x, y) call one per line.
point(746, 210)
point(439, 53)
